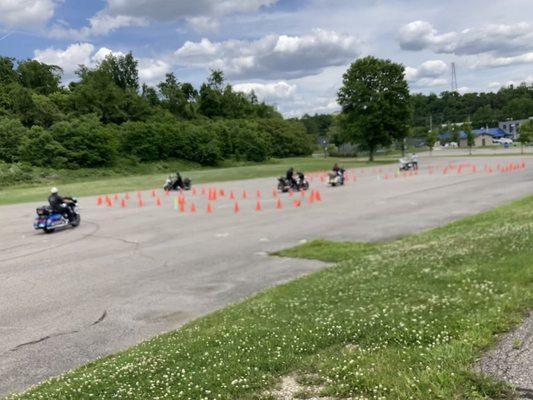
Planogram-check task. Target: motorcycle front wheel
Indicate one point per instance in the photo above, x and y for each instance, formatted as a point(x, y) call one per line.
point(76, 221)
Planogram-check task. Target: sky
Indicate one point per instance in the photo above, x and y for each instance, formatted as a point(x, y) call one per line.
point(292, 53)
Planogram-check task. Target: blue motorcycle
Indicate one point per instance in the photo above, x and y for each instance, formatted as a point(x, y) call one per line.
point(49, 220)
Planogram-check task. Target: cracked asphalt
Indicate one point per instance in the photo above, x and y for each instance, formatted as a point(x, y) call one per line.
point(127, 274)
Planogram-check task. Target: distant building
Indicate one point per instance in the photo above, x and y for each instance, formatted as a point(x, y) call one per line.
point(512, 128)
point(482, 137)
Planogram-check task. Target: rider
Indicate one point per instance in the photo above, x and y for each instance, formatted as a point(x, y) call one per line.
point(57, 203)
point(178, 183)
point(290, 176)
point(339, 171)
point(414, 160)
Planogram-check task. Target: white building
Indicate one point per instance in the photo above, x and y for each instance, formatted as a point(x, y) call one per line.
point(512, 127)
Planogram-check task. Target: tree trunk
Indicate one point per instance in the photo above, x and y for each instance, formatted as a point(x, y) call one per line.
point(371, 155)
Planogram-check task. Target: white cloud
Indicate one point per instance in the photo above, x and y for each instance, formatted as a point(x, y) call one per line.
point(26, 13)
point(495, 39)
point(487, 60)
point(203, 24)
point(201, 15)
point(99, 25)
point(273, 56)
point(420, 35)
point(165, 10)
point(151, 71)
point(69, 59)
point(428, 74)
point(494, 86)
point(269, 92)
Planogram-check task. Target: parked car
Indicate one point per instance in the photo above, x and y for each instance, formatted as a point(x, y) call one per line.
point(451, 144)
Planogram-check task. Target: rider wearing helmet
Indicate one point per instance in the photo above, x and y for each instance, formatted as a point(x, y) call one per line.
point(178, 183)
point(290, 177)
point(339, 172)
point(57, 203)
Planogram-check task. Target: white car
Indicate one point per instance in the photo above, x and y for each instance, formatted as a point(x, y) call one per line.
point(503, 141)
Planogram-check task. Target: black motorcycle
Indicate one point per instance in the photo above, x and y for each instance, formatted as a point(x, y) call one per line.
point(300, 183)
point(172, 184)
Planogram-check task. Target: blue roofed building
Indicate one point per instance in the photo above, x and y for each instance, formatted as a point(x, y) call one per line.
point(482, 137)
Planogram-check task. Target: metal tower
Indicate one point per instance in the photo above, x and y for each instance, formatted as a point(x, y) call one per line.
point(454, 78)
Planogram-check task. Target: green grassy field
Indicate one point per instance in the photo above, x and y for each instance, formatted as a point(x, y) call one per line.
point(83, 184)
point(400, 320)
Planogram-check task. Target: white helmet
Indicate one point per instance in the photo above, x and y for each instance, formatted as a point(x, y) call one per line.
point(54, 190)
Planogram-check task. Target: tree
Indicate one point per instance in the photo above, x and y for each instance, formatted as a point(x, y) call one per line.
point(7, 70)
point(375, 103)
point(456, 134)
point(42, 78)
point(12, 133)
point(39, 148)
point(470, 138)
point(122, 70)
point(526, 134)
point(431, 139)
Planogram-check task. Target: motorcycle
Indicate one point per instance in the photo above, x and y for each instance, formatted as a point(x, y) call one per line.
point(49, 220)
point(336, 178)
point(300, 183)
point(170, 184)
point(406, 165)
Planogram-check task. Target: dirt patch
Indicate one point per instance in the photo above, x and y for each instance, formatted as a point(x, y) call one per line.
point(291, 389)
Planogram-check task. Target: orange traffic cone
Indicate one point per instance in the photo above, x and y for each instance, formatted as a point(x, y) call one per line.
point(123, 203)
point(99, 201)
point(158, 202)
point(236, 208)
point(193, 208)
point(279, 204)
point(258, 206)
point(209, 208)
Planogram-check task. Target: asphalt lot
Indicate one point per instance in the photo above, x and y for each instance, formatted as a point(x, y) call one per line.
point(129, 273)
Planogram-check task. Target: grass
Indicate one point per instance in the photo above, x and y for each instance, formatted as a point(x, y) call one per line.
point(84, 183)
point(400, 320)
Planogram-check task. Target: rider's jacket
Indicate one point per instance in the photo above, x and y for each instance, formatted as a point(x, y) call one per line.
point(55, 201)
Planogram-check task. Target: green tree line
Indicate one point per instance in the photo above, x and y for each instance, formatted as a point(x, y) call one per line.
point(482, 109)
point(106, 115)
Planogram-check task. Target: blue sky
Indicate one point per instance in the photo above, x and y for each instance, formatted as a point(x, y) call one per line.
point(291, 52)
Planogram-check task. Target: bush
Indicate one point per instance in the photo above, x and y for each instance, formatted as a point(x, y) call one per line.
point(88, 143)
point(39, 148)
point(289, 138)
point(12, 133)
point(140, 140)
point(16, 173)
point(251, 143)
